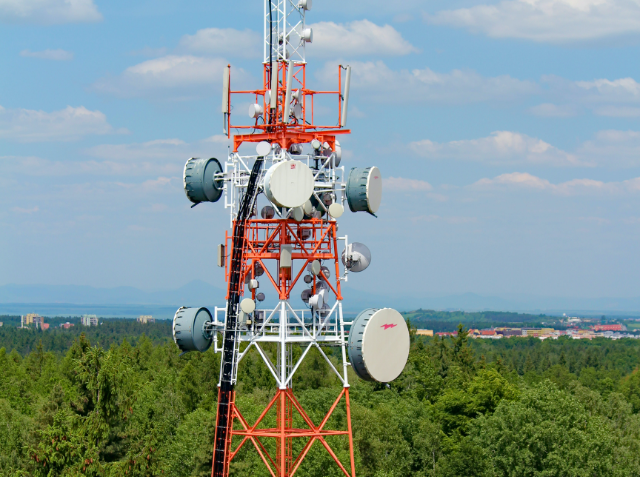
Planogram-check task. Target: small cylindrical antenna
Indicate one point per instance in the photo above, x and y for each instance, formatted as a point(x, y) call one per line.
point(287, 99)
point(226, 79)
point(345, 98)
point(274, 85)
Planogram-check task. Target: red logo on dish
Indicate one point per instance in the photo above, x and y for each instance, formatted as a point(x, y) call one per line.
point(387, 327)
point(293, 166)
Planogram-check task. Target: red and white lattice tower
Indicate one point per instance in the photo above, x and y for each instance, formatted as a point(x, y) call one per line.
point(284, 202)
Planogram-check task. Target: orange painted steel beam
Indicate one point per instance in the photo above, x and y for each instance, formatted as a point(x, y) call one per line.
point(284, 465)
point(264, 239)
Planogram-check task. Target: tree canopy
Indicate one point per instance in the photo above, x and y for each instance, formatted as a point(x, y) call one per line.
point(462, 407)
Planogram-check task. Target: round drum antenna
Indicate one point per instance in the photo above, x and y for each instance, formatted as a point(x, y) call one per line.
point(379, 345)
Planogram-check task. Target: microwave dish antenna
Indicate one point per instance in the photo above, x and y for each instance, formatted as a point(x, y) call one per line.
point(379, 345)
point(364, 189)
point(356, 257)
point(191, 329)
point(200, 182)
point(289, 184)
point(268, 212)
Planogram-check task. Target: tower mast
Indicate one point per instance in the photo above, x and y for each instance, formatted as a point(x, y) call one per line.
point(284, 202)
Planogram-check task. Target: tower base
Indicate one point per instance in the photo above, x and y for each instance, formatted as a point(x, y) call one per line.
point(284, 464)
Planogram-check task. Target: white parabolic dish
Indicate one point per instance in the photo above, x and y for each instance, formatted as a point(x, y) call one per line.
point(379, 345)
point(289, 184)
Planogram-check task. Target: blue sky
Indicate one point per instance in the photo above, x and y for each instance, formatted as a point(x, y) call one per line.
point(507, 133)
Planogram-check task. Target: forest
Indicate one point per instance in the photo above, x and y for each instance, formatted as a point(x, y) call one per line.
point(511, 407)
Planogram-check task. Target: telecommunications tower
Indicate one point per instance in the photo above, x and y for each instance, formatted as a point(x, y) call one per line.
point(284, 202)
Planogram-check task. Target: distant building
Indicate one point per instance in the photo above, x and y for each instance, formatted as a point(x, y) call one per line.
point(144, 319)
point(607, 328)
point(89, 320)
point(29, 319)
point(1, 324)
point(37, 321)
point(44, 326)
point(509, 332)
point(424, 332)
point(66, 325)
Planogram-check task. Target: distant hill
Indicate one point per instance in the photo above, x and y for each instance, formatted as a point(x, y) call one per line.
point(194, 292)
point(67, 300)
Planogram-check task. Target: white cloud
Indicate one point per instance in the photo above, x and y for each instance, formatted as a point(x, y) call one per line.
point(381, 83)
point(55, 55)
point(152, 185)
point(174, 77)
point(49, 11)
point(174, 149)
point(502, 147)
point(165, 156)
point(618, 93)
point(526, 181)
point(39, 167)
point(22, 210)
point(224, 41)
point(406, 185)
point(609, 148)
point(604, 97)
point(69, 124)
point(357, 38)
point(547, 20)
point(549, 110)
point(618, 111)
point(613, 148)
point(440, 219)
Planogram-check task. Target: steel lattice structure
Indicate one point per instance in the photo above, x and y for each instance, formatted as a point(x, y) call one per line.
point(281, 248)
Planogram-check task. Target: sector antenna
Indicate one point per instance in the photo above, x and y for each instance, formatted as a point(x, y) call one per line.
point(285, 186)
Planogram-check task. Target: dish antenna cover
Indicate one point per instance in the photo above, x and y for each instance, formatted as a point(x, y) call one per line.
point(336, 210)
point(189, 331)
point(315, 267)
point(268, 212)
point(379, 345)
point(364, 189)
point(356, 257)
point(263, 149)
point(289, 184)
point(248, 306)
point(199, 180)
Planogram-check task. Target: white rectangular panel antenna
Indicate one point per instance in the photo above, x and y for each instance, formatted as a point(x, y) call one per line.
point(285, 256)
point(287, 100)
point(274, 85)
point(226, 80)
point(221, 255)
point(345, 98)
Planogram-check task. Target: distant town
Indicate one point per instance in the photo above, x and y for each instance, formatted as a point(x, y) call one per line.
point(35, 321)
point(576, 328)
point(573, 327)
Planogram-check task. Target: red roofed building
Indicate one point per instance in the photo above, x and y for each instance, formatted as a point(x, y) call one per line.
point(488, 332)
point(607, 328)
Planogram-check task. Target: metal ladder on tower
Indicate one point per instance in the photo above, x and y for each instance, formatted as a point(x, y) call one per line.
point(229, 353)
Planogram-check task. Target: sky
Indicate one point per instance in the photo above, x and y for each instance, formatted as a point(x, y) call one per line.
point(507, 134)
